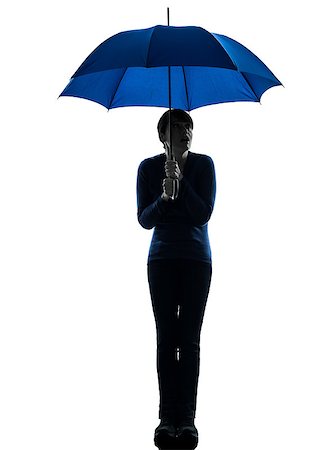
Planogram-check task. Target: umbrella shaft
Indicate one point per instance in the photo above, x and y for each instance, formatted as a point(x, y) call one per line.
point(170, 154)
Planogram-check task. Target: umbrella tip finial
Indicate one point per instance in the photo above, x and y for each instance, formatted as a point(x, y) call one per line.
point(168, 15)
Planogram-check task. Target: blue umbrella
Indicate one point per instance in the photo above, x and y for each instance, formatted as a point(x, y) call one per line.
point(130, 69)
point(176, 67)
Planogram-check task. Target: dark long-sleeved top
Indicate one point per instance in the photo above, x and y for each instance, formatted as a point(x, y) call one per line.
point(181, 225)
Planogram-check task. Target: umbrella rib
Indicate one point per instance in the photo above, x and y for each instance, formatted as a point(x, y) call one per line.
point(149, 45)
point(116, 90)
point(186, 89)
point(250, 86)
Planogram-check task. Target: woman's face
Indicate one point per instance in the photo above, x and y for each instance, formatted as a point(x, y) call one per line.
point(181, 136)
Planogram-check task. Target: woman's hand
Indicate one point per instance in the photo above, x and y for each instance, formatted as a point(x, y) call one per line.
point(172, 170)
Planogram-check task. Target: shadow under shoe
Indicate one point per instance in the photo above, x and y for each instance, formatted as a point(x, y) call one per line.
point(165, 435)
point(187, 435)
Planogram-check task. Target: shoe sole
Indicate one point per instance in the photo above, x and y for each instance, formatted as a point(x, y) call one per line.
point(186, 441)
point(165, 442)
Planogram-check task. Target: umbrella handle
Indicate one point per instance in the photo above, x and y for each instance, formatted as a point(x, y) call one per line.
point(176, 183)
point(176, 186)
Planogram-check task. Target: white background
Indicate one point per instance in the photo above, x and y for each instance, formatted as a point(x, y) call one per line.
point(77, 331)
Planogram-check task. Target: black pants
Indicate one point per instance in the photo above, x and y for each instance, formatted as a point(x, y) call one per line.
point(179, 290)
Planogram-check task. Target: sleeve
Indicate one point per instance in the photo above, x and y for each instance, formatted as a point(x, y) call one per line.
point(149, 213)
point(199, 205)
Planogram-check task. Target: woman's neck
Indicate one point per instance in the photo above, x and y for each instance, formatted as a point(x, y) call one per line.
point(182, 158)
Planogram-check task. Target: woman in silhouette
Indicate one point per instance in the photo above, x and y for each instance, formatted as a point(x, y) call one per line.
point(179, 270)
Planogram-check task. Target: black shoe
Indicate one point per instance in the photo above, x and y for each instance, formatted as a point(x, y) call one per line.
point(187, 435)
point(165, 434)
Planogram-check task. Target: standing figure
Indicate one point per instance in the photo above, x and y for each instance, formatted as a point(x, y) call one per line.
point(179, 270)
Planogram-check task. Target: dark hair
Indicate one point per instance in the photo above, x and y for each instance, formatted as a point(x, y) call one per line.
point(175, 114)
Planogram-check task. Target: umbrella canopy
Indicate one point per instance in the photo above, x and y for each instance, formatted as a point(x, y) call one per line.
point(130, 69)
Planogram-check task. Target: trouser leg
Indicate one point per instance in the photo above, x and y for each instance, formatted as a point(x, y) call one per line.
point(195, 288)
point(163, 285)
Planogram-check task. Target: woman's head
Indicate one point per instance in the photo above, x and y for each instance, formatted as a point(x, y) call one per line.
point(177, 115)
